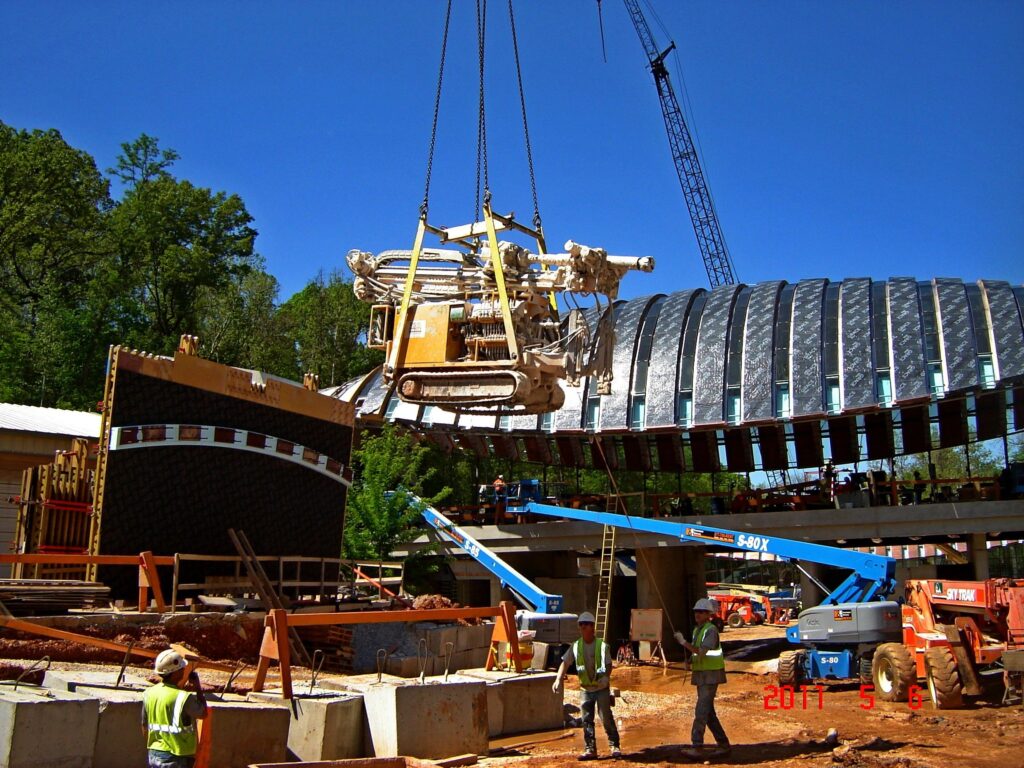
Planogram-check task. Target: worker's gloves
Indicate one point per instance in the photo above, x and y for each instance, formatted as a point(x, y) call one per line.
point(680, 638)
point(556, 686)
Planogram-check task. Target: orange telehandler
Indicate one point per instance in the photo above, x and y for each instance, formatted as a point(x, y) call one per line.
point(954, 632)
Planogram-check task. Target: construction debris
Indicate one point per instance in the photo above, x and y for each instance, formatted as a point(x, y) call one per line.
point(22, 597)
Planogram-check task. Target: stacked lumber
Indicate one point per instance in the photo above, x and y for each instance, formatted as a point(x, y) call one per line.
point(39, 597)
point(55, 513)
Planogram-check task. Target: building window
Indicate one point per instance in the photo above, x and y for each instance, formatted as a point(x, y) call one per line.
point(832, 401)
point(988, 371)
point(547, 422)
point(883, 389)
point(504, 423)
point(427, 419)
point(636, 412)
point(593, 413)
point(733, 406)
point(392, 405)
point(936, 382)
point(685, 409)
point(782, 406)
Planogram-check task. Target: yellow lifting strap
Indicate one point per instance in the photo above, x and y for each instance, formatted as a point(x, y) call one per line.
point(403, 313)
point(499, 278)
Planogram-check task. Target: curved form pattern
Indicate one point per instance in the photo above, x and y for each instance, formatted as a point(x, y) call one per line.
point(176, 435)
point(736, 372)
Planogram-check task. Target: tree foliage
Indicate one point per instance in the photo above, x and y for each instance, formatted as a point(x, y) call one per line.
point(80, 271)
point(329, 324)
point(172, 241)
point(52, 204)
point(380, 516)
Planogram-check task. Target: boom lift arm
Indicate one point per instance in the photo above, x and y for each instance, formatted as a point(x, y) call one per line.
point(873, 577)
point(528, 593)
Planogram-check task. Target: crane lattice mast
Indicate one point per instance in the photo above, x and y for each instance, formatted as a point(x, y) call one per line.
point(695, 189)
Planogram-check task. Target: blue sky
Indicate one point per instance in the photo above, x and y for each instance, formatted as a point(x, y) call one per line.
point(840, 139)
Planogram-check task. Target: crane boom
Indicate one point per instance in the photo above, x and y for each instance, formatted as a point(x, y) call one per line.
point(691, 177)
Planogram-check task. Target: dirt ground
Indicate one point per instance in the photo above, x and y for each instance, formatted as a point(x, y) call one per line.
point(655, 711)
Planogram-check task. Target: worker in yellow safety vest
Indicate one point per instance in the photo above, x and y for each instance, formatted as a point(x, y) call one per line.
point(169, 713)
point(593, 662)
point(707, 673)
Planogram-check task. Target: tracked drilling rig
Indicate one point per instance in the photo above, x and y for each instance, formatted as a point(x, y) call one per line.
point(475, 324)
point(479, 329)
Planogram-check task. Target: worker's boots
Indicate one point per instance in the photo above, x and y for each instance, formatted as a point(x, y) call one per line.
point(590, 753)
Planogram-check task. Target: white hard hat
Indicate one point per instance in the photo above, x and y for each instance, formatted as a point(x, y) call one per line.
point(168, 662)
point(586, 618)
point(705, 605)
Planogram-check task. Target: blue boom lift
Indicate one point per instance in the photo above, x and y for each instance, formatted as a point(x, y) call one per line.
point(837, 638)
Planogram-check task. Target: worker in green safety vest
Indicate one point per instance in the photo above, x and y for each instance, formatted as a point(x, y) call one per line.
point(707, 673)
point(169, 713)
point(593, 662)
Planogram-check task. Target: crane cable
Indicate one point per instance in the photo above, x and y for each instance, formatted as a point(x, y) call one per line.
point(526, 125)
point(437, 107)
point(482, 166)
point(481, 126)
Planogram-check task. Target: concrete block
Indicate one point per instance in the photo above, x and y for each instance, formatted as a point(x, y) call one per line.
point(495, 703)
point(43, 728)
point(528, 704)
point(439, 637)
point(470, 659)
point(236, 733)
point(541, 652)
point(475, 636)
point(409, 666)
point(325, 724)
point(119, 739)
point(355, 683)
point(434, 720)
point(70, 679)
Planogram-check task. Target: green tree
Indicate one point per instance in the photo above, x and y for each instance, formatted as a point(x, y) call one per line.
point(329, 324)
point(951, 463)
point(378, 521)
point(240, 324)
point(52, 201)
point(174, 242)
point(53, 243)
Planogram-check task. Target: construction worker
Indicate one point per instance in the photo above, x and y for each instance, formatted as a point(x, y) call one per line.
point(593, 662)
point(169, 713)
point(707, 673)
point(500, 499)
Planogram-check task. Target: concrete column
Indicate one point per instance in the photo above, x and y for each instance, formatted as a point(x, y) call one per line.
point(671, 578)
point(497, 595)
point(979, 556)
point(810, 593)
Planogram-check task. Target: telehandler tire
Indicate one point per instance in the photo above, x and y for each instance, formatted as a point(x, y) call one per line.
point(893, 671)
point(943, 678)
point(735, 620)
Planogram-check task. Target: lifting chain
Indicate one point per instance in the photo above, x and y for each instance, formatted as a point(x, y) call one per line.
point(482, 169)
point(437, 107)
point(526, 126)
point(481, 126)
